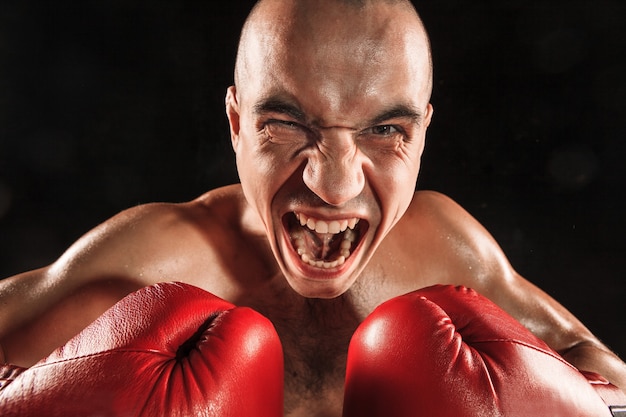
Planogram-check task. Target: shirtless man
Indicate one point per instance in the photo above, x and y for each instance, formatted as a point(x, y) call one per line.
point(328, 117)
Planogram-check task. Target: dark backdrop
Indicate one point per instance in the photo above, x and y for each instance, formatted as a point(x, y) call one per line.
point(109, 104)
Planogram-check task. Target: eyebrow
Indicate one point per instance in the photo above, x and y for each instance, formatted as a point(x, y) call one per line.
point(400, 111)
point(277, 105)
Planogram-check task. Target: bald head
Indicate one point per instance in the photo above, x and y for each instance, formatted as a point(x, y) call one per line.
point(323, 33)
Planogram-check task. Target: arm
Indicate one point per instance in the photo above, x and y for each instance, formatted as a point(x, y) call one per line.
point(594, 356)
point(559, 328)
point(38, 316)
point(480, 263)
point(43, 308)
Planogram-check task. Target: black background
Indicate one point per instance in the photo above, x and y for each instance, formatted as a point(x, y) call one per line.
point(109, 104)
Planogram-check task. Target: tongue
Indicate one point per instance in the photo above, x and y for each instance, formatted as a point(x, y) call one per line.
point(321, 245)
point(326, 248)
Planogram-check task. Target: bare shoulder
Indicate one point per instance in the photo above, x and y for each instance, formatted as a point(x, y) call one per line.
point(153, 242)
point(444, 213)
point(449, 246)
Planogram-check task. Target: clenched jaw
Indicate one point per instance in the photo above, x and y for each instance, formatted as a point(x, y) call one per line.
point(323, 244)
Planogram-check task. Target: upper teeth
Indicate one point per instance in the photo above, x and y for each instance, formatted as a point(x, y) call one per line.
point(327, 228)
point(322, 226)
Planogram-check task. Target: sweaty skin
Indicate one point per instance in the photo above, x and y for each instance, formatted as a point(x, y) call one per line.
point(328, 118)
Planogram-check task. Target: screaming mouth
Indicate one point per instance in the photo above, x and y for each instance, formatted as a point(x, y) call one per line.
point(323, 244)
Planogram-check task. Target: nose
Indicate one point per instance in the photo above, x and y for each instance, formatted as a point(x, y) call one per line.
point(334, 172)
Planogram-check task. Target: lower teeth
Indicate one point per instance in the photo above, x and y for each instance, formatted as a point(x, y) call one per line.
point(323, 264)
point(346, 244)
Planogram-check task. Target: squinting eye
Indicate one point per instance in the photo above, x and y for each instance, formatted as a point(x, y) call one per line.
point(285, 131)
point(286, 124)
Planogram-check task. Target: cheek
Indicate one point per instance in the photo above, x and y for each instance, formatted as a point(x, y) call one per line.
point(400, 185)
point(263, 169)
point(256, 174)
point(393, 178)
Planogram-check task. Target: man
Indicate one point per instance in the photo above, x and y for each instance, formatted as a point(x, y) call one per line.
point(328, 117)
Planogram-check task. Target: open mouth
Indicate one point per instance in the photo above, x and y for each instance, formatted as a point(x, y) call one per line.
point(324, 244)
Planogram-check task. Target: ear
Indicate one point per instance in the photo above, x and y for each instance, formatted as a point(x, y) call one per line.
point(232, 111)
point(429, 114)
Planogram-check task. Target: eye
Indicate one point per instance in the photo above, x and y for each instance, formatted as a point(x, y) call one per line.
point(384, 130)
point(285, 130)
point(286, 124)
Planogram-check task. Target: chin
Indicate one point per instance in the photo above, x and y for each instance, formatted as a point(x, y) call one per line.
point(312, 281)
point(308, 289)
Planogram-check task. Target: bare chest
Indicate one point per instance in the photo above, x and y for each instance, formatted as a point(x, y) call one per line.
point(315, 335)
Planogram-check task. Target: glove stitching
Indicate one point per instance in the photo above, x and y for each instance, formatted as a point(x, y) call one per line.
point(528, 345)
point(104, 353)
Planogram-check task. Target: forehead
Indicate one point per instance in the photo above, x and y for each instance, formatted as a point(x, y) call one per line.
point(339, 60)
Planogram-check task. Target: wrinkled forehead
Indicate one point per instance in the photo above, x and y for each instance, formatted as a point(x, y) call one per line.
point(338, 54)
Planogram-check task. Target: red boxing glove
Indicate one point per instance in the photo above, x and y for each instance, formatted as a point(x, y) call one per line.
point(8, 373)
point(448, 351)
point(166, 350)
